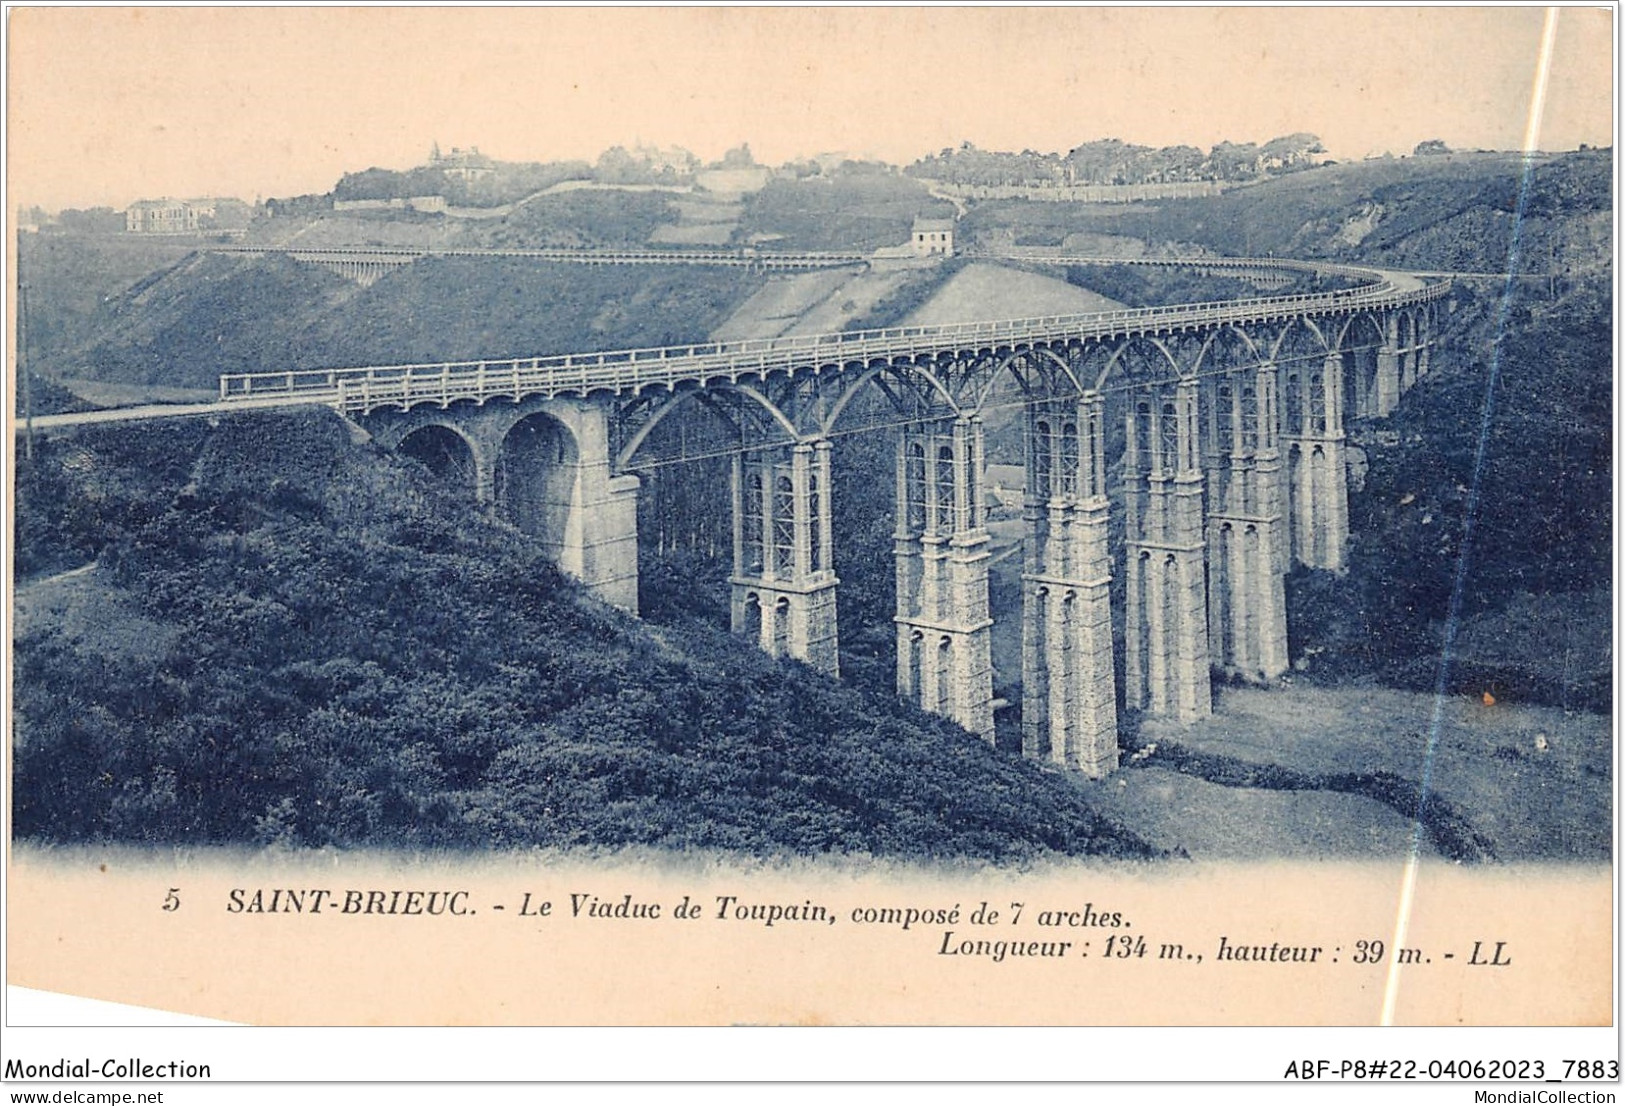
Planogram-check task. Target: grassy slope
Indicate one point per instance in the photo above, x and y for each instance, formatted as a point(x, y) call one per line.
point(981, 293)
point(586, 217)
point(393, 228)
point(337, 654)
point(451, 308)
point(221, 314)
point(212, 314)
point(853, 212)
point(70, 277)
point(782, 303)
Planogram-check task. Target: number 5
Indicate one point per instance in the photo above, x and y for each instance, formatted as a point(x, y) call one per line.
point(172, 901)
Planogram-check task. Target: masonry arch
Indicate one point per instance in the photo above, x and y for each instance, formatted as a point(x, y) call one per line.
point(537, 473)
point(446, 453)
point(781, 628)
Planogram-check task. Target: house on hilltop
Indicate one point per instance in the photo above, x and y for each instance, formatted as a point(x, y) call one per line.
point(468, 165)
point(675, 161)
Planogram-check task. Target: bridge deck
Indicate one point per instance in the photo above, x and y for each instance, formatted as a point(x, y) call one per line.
point(624, 371)
point(630, 371)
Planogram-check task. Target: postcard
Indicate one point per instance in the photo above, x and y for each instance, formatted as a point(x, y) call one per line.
point(1063, 520)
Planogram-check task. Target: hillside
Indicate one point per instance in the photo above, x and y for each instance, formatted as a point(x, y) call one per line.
point(210, 314)
point(855, 211)
point(263, 633)
point(1534, 617)
point(213, 314)
point(1534, 593)
point(67, 280)
point(582, 218)
point(987, 293)
point(1442, 212)
point(786, 301)
point(957, 291)
point(277, 636)
point(1534, 586)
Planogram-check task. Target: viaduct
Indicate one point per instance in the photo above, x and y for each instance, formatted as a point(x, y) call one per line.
point(366, 264)
point(1198, 450)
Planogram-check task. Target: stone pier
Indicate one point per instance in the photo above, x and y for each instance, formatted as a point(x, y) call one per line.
point(1316, 466)
point(1246, 599)
point(784, 577)
point(944, 650)
point(1165, 632)
point(1069, 698)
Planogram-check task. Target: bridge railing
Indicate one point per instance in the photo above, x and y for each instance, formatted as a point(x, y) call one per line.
point(622, 370)
point(1037, 254)
point(405, 254)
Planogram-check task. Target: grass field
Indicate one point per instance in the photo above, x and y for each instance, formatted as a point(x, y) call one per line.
point(1209, 821)
point(1534, 783)
point(785, 303)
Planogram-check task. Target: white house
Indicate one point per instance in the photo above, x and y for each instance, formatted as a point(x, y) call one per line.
point(933, 236)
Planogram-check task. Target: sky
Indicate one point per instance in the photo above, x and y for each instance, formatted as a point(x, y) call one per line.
point(110, 105)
